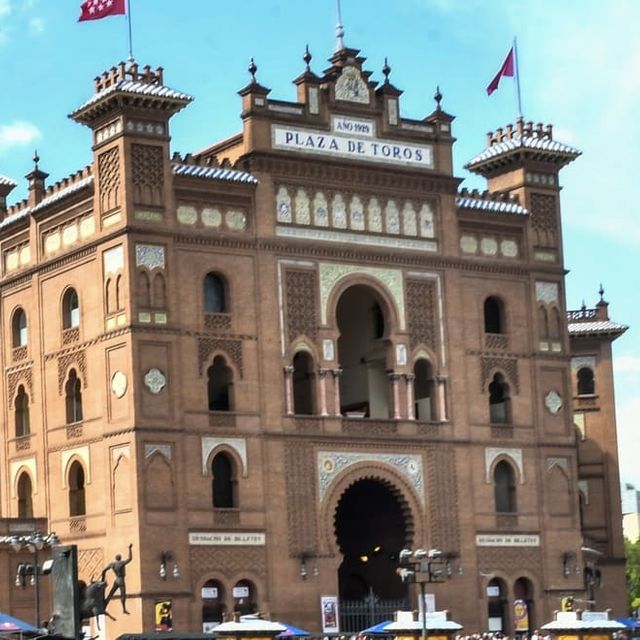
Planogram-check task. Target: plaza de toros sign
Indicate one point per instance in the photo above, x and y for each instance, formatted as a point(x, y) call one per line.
point(352, 138)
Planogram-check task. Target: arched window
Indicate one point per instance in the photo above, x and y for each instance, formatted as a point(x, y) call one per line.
point(119, 302)
point(424, 391)
point(555, 323)
point(493, 315)
point(144, 291)
point(70, 310)
point(25, 496)
point(504, 488)
point(19, 328)
point(224, 483)
point(77, 504)
point(219, 385)
point(215, 299)
point(73, 397)
point(23, 426)
point(543, 322)
point(499, 402)
point(159, 292)
point(586, 382)
point(303, 384)
point(213, 602)
point(245, 597)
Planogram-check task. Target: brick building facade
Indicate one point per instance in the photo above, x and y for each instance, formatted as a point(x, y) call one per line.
point(274, 363)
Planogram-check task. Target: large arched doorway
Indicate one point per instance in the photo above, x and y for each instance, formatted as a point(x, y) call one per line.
point(371, 528)
point(364, 388)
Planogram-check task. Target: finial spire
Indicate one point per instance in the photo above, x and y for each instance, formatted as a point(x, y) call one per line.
point(36, 159)
point(339, 30)
point(438, 98)
point(386, 70)
point(601, 292)
point(253, 67)
point(307, 57)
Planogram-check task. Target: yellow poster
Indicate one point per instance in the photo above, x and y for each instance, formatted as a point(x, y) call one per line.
point(164, 617)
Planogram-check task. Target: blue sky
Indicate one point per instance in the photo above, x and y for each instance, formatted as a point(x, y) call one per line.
point(579, 67)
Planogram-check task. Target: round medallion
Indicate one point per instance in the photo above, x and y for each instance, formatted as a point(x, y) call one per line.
point(155, 380)
point(211, 217)
point(327, 465)
point(119, 384)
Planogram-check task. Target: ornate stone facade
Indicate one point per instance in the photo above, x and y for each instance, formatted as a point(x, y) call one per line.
point(336, 230)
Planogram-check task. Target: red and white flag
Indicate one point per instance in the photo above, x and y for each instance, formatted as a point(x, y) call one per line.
point(506, 70)
point(97, 9)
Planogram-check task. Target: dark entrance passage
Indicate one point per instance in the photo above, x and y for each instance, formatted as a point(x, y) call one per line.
point(371, 528)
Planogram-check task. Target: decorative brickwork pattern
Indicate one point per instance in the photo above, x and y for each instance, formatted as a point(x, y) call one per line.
point(514, 560)
point(90, 564)
point(147, 173)
point(217, 321)
point(230, 346)
point(109, 179)
point(359, 427)
point(543, 219)
point(14, 378)
point(495, 341)
point(302, 519)
point(421, 297)
point(222, 419)
point(509, 366)
point(226, 517)
point(19, 353)
point(443, 498)
point(69, 336)
point(79, 360)
point(228, 561)
point(301, 289)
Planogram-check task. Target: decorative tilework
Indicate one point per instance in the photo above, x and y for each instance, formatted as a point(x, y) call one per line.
point(331, 463)
point(491, 453)
point(331, 274)
point(163, 449)
point(150, 256)
point(239, 445)
point(547, 292)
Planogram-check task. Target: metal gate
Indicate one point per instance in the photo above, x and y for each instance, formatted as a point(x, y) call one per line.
point(356, 615)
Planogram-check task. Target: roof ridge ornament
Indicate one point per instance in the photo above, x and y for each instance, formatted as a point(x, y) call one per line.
point(437, 96)
point(386, 70)
point(307, 57)
point(252, 68)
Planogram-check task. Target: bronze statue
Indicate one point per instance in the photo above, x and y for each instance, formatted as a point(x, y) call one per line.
point(118, 568)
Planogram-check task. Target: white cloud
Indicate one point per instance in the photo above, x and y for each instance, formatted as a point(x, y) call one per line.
point(18, 133)
point(36, 26)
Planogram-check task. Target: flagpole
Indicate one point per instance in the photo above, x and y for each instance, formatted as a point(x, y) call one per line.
point(515, 53)
point(131, 58)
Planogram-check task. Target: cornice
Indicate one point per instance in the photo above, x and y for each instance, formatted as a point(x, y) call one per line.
point(281, 166)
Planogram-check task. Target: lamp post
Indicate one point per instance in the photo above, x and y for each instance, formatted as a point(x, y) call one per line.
point(33, 542)
point(424, 567)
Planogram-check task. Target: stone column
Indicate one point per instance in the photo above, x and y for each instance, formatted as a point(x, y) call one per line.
point(336, 391)
point(411, 410)
point(322, 384)
point(442, 399)
point(288, 390)
point(395, 392)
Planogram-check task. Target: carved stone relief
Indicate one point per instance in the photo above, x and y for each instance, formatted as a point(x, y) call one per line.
point(301, 291)
point(491, 453)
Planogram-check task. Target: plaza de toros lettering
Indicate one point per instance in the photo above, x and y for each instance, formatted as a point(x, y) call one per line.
point(352, 138)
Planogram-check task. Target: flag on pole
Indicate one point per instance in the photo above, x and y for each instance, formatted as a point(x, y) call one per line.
point(97, 9)
point(506, 70)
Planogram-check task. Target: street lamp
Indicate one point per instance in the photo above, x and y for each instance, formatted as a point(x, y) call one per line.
point(34, 543)
point(423, 567)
